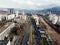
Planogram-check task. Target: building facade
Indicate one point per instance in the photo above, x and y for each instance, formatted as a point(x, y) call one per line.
point(55, 19)
point(6, 30)
point(36, 19)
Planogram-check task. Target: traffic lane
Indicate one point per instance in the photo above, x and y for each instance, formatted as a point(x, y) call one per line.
point(25, 39)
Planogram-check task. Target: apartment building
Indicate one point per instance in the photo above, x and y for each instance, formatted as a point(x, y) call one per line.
point(55, 19)
point(36, 19)
point(4, 17)
point(5, 30)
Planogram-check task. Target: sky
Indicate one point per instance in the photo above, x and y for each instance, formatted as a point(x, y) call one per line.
point(29, 4)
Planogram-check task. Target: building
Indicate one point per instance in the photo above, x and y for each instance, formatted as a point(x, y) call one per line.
point(11, 11)
point(5, 30)
point(58, 22)
point(36, 19)
point(11, 16)
point(7, 10)
point(18, 20)
point(4, 17)
point(6, 14)
point(53, 18)
point(23, 16)
point(16, 14)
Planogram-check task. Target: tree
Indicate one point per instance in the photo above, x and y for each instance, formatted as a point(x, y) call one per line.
point(14, 30)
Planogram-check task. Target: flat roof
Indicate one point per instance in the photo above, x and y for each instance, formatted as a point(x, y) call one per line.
point(5, 26)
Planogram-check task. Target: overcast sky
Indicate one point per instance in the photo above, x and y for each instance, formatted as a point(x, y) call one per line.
point(29, 4)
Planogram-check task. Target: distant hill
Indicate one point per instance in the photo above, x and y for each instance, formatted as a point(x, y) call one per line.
point(53, 10)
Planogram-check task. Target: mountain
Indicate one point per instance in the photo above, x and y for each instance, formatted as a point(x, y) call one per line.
point(55, 10)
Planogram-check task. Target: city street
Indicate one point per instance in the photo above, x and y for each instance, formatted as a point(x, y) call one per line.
point(55, 36)
point(29, 22)
point(26, 36)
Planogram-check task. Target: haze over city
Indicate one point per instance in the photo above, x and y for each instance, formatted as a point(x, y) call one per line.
point(29, 22)
point(29, 4)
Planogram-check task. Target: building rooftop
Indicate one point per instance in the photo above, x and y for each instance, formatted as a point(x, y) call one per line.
point(5, 26)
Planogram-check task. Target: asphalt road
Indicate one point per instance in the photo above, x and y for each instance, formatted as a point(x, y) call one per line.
point(26, 37)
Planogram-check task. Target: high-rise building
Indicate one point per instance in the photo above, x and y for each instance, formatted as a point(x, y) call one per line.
point(16, 13)
point(10, 11)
